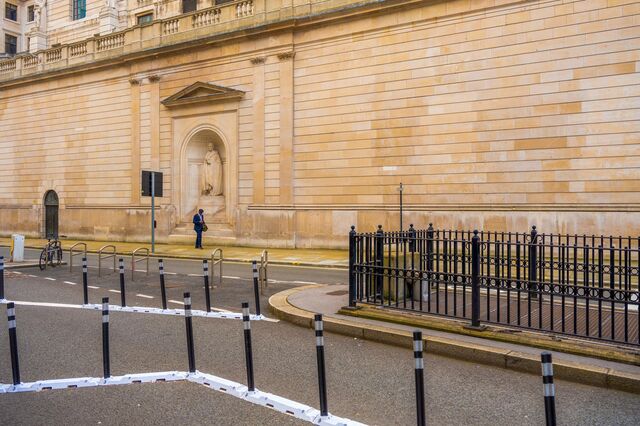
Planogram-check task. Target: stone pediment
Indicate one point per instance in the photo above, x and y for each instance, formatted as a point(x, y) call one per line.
point(201, 92)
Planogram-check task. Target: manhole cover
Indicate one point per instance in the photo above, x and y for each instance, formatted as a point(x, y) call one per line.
point(337, 293)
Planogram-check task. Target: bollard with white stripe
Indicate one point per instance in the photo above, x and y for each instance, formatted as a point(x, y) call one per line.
point(205, 276)
point(13, 343)
point(419, 373)
point(188, 322)
point(1, 277)
point(248, 352)
point(106, 363)
point(322, 380)
point(85, 285)
point(123, 303)
point(256, 286)
point(549, 389)
point(163, 291)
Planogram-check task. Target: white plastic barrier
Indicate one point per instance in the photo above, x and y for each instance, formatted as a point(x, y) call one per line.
point(17, 248)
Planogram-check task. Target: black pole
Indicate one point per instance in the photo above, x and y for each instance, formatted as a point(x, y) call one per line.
point(533, 263)
point(188, 322)
point(379, 243)
point(419, 373)
point(13, 342)
point(163, 291)
point(85, 285)
point(549, 389)
point(352, 268)
point(401, 189)
point(248, 352)
point(322, 380)
point(123, 302)
point(256, 286)
point(475, 280)
point(106, 364)
point(1, 277)
point(205, 276)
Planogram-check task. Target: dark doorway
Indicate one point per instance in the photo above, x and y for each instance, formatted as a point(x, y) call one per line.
point(51, 215)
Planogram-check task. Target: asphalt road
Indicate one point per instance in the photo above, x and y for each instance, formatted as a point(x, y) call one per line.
point(367, 381)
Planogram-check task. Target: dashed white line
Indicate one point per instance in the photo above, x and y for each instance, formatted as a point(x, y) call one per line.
point(92, 286)
point(32, 276)
point(194, 275)
point(175, 301)
point(18, 272)
point(114, 291)
point(145, 296)
point(70, 283)
point(50, 279)
point(170, 273)
point(231, 277)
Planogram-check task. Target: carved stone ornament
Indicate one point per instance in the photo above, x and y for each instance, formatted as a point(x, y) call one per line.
point(202, 92)
point(153, 78)
point(285, 56)
point(258, 60)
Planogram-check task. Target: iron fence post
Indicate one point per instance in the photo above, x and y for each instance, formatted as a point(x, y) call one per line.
point(379, 263)
point(429, 254)
point(533, 263)
point(412, 238)
point(352, 270)
point(475, 280)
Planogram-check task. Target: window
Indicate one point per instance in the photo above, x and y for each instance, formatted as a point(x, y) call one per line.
point(79, 9)
point(31, 14)
point(11, 11)
point(189, 6)
point(10, 44)
point(145, 19)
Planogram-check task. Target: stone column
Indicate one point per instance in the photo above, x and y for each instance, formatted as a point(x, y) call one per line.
point(135, 141)
point(286, 127)
point(258, 129)
point(108, 18)
point(155, 121)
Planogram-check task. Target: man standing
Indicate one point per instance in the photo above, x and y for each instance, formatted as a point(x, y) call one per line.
point(198, 226)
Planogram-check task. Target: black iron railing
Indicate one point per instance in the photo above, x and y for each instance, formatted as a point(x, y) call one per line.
point(578, 285)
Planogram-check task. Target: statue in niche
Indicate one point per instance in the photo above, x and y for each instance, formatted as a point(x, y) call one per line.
point(38, 10)
point(212, 172)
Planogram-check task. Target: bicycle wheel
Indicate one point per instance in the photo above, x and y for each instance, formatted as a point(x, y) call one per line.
point(43, 260)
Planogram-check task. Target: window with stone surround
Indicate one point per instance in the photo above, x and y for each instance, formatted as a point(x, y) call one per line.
point(31, 13)
point(10, 44)
point(78, 9)
point(11, 11)
point(189, 6)
point(144, 19)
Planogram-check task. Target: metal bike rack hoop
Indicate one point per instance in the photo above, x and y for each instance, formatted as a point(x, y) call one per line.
point(101, 256)
point(145, 252)
point(216, 259)
point(79, 252)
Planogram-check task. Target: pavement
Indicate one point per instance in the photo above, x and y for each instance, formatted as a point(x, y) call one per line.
point(297, 305)
point(368, 381)
point(297, 256)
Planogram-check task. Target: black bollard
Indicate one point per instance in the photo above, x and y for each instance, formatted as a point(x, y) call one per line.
point(123, 303)
point(106, 364)
point(248, 352)
point(549, 389)
point(419, 373)
point(1, 277)
point(163, 291)
point(13, 343)
point(187, 319)
point(322, 380)
point(256, 286)
point(85, 288)
point(205, 276)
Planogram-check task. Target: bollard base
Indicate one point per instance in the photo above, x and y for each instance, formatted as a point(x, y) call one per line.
point(351, 308)
point(475, 327)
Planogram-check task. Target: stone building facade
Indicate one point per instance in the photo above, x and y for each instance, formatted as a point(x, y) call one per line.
point(494, 114)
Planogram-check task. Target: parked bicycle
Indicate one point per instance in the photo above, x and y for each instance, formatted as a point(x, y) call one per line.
point(51, 255)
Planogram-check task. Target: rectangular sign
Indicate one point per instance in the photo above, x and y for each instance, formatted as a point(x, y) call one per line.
point(146, 183)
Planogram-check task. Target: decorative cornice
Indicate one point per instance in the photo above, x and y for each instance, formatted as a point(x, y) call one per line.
point(258, 60)
point(134, 82)
point(285, 56)
point(154, 78)
point(201, 92)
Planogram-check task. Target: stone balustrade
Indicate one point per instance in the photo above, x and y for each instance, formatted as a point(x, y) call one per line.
point(160, 33)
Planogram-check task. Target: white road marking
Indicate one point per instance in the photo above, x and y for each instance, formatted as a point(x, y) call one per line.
point(194, 275)
point(145, 296)
point(114, 291)
point(170, 273)
point(50, 279)
point(69, 282)
point(92, 286)
point(175, 301)
point(32, 276)
point(18, 272)
point(231, 277)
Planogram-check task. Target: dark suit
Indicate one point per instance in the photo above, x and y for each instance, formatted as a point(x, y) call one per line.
point(198, 222)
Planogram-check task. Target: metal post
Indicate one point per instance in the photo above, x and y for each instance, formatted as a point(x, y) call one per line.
point(533, 263)
point(352, 269)
point(419, 373)
point(256, 286)
point(163, 291)
point(475, 280)
point(401, 189)
point(106, 363)
point(322, 381)
point(379, 263)
point(430, 255)
point(205, 276)
point(412, 238)
point(85, 285)
point(1, 277)
point(189, 325)
point(549, 389)
point(123, 302)
point(153, 212)
point(248, 352)
point(13, 343)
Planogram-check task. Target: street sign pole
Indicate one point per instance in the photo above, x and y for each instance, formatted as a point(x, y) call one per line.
point(153, 212)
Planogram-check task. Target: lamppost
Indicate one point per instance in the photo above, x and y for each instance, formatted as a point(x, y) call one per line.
point(400, 189)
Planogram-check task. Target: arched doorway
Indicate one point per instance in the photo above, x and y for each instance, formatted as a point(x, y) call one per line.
point(51, 215)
